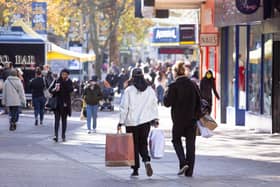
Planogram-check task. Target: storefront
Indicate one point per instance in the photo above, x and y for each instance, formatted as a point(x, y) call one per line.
point(209, 48)
point(249, 64)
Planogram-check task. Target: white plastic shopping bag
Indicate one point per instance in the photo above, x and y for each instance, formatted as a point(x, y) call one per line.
point(204, 131)
point(156, 143)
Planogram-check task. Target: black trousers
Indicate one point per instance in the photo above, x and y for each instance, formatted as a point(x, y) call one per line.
point(189, 133)
point(60, 114)
point(140, 138)
point(14, 113)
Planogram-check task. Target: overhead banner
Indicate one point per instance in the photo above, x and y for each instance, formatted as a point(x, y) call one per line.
point(166, 36)
point(187, 34)
point(39, 17)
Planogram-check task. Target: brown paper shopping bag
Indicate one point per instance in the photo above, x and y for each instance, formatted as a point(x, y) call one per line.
point(119, 150)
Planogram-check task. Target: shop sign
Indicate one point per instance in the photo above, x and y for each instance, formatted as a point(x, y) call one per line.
point(187, 34)
point(229, 12)
point(208, 39)
point(247, 6)
point(165, 35)
point(39, 17)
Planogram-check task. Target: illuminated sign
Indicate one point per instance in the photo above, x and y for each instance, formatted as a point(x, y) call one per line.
point(166, 35)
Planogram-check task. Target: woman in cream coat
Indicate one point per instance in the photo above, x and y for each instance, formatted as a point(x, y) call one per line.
point(13, 97)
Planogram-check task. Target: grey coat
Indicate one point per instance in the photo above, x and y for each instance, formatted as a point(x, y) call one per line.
point(13, 92)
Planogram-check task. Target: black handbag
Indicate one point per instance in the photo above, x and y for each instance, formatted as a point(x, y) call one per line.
point(52, 103)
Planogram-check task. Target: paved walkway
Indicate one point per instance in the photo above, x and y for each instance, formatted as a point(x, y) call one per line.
point(233, 157)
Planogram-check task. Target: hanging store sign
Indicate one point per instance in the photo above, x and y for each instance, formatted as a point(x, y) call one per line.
point(187, 34)
point(208, 39)
point(248, 6)
point(169, 36)
point(39, 17)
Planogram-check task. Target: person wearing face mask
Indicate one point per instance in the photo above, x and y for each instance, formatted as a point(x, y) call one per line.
point(92, 95)
point(62, 89)
point(207, 84)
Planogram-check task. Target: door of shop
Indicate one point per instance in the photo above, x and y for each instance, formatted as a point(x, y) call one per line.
point(276, 84)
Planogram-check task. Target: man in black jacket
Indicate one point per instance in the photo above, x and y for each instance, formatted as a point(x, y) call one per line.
point(184, 100)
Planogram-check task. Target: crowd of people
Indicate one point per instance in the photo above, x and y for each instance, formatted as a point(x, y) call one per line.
point(142, 89)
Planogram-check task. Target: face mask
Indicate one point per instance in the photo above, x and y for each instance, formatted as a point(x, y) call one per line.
point(208, 76)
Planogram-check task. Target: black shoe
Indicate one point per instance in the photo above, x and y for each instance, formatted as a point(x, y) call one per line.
point(188, 173)
point(11, 126)
point(183, 170)
point(41, 122)
point(64, 139)
point(15, 126)
point(36, 122)
point(55, 139)
point(135, 173)
point(149, 170)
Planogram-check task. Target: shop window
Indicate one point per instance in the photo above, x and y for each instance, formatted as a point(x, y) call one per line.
point(242, 56)
point(267, 74)
point(231, 66)
point(254, 67)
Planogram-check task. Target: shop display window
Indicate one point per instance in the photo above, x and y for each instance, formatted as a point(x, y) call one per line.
point(254, 68)
point(267, 75)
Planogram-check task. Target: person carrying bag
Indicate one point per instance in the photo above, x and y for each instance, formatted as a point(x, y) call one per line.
point(138, 109)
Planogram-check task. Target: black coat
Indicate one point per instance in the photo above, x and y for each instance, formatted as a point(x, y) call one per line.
point(37, 86)
point(206, 87)
point(184, 100)
point(63, 95)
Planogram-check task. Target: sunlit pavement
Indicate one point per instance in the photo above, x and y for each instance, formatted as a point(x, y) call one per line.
point(232, 157)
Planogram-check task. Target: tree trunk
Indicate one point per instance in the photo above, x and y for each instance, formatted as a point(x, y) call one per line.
point(98, 65)
point(114, 49)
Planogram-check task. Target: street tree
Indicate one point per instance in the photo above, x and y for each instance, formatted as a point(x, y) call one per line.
point(103, 21)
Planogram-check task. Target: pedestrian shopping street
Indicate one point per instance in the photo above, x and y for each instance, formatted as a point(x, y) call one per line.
point(234, 156)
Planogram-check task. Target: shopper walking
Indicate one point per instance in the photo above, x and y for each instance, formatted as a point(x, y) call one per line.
point(61, 89)
point(181, 95)
point(138, 109)
point(207, 84)
point(92, 96)
point(13, 97)
point(37, 86)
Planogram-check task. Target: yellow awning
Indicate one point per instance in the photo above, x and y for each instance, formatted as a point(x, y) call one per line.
point(54, 51)
point(57, 53)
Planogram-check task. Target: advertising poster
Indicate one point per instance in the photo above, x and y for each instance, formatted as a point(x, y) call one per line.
point(39, 17)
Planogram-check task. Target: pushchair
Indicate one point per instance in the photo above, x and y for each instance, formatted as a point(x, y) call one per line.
point(108, 97)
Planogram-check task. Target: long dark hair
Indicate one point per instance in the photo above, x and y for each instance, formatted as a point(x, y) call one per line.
point(138, 80)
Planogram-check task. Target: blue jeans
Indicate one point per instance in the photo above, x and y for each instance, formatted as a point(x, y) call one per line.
point(160, 94)
point(91, 113)
point(39, 107)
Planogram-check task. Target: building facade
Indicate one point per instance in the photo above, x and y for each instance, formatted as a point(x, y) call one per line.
point(249, 63)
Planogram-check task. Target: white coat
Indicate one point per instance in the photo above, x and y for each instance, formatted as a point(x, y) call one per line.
point(138, 107)
point(13, 92)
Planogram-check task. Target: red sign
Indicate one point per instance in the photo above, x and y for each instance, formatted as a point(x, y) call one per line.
point(171, 51)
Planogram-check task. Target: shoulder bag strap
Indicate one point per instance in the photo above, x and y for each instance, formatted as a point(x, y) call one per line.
point(13, 85)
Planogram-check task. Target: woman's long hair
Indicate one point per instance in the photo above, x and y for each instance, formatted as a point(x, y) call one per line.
point(138, 80)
